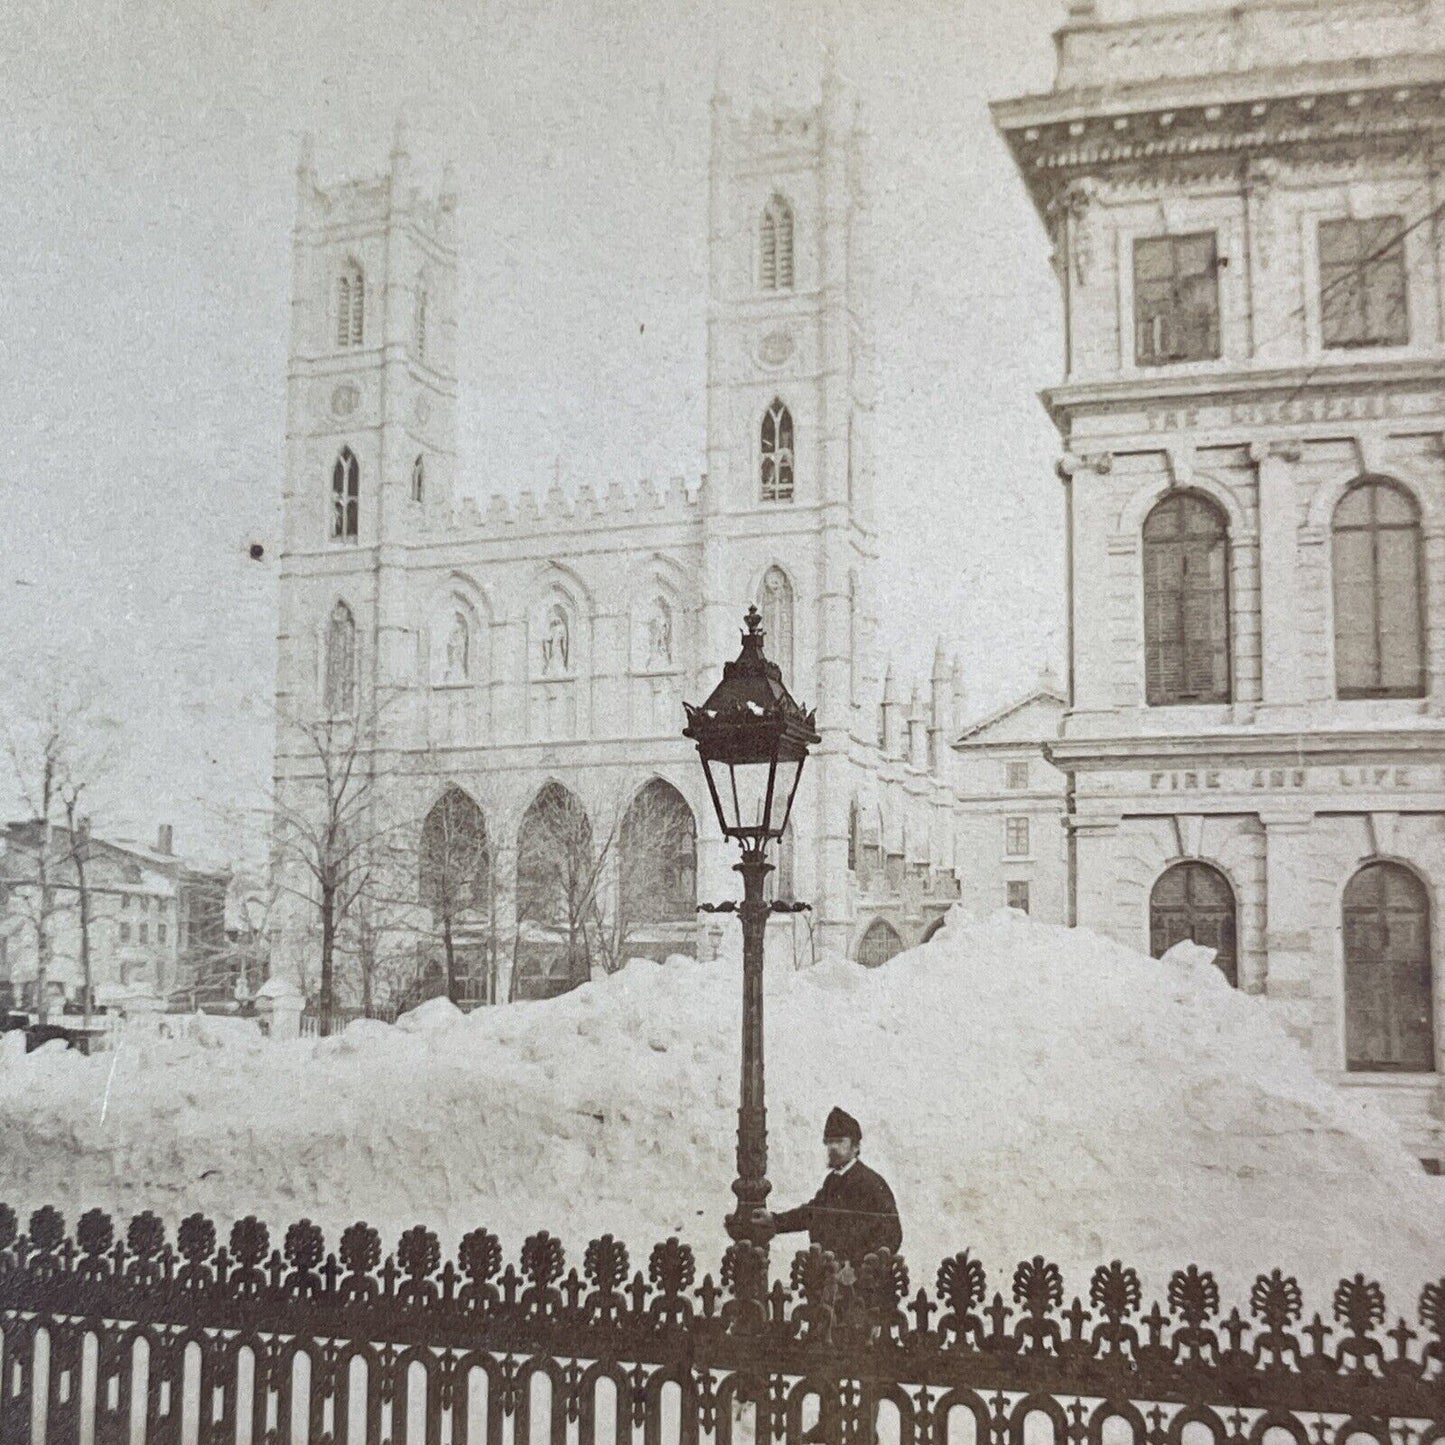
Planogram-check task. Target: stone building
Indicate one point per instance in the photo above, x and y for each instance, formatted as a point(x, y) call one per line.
point(1010, 827)
point(519, 666)
point(152, 916)
point(1246, 210)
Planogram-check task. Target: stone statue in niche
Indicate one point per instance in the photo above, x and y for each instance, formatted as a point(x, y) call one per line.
point(557, 644)
point(659, 635)
point(458, 651)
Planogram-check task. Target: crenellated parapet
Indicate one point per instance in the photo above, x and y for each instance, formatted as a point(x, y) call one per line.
point(561, 509)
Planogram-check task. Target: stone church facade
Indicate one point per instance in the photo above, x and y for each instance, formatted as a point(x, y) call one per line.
point(519, 667)
point(1246, 207)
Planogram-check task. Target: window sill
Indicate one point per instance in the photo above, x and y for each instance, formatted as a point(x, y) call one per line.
point(1422, 1081)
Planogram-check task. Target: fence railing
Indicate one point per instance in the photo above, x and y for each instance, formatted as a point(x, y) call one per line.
point(132, 1339)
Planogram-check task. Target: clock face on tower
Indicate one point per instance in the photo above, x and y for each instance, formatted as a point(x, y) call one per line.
point(345, 399)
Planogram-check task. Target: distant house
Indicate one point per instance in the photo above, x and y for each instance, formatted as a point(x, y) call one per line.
point(1011, 806)
point(151, 915)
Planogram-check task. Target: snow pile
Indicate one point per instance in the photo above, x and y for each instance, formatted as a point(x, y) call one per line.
point(1026, 1089)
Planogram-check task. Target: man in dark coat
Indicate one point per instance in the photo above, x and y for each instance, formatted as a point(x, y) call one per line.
point(853, 1215)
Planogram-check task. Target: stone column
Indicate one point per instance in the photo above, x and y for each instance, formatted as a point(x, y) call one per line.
point(1278, 593)
point(1434, 548)
point(1095, 840)
point(1288, 979)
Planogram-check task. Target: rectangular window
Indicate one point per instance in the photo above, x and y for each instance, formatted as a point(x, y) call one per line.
point(124, 902)
point(160, 933)
point(1016, 837)
point(125, 933)
point(1018, 896)
point(1176, 299)
point(1018, 775)
point(1363, 295)
point(145, 933)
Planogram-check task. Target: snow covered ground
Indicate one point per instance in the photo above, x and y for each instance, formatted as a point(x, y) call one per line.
point(1026, 1089)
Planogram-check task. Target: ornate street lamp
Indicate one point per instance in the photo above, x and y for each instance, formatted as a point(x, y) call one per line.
point(753, 740)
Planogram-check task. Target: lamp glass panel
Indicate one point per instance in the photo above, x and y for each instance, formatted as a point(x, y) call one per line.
point(783, 790)
point(750, 785)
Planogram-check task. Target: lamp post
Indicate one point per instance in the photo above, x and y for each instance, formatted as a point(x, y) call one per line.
point(753, 740)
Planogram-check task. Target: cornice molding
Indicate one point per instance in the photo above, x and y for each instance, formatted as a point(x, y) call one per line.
point(1198, 750)
point(1217, 388)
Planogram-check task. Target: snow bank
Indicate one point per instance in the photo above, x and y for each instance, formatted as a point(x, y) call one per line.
point(1026, 1089)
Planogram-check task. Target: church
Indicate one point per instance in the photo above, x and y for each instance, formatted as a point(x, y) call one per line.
point(517, 667)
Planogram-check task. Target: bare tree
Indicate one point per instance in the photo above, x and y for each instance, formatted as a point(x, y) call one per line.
point(56, 754)
point(647, 847)
point(456, 886)
point(331, 838)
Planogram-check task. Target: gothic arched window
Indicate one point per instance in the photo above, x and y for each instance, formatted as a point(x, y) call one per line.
point(418, 479)
point(880, 943)
point(775, 246)
point(340, 685)
point(776, 472)
point(1195, 902)
point(350, 306)
point(419, 329)
point(556, 898)
point(657, 859)
point(1388, 996)
point(1186, 602)
point(345, 495)
point(776, 605)
point(1379, 616)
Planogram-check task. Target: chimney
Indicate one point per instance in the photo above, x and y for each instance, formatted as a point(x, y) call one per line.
point(165, 838)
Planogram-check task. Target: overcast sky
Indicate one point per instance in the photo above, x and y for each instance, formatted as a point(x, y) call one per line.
point(148, 178)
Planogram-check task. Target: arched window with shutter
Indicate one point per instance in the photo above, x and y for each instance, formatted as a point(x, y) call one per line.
point(350, 306)
point(775, 602)
point(1186, 602)
point(339, 693)
point(1389, 1003)
point(775, 246)
point(1194, 902)
point(1379, 612)
point(776, 472)
point(345, 496)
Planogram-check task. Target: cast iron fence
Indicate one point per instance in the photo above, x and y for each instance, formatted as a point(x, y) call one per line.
point(137, 1340)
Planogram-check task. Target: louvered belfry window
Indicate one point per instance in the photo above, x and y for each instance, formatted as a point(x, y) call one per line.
point(777, 454)
point(350, 307)
point(1388, 996)
point(775, 248)
point(345, 496)
point(1186, 602)
point(1379, 622)
point(1176, 299)
point(1363, 283)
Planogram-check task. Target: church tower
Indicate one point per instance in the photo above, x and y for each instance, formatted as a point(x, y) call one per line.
point(788, 518)
point(371, 403)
